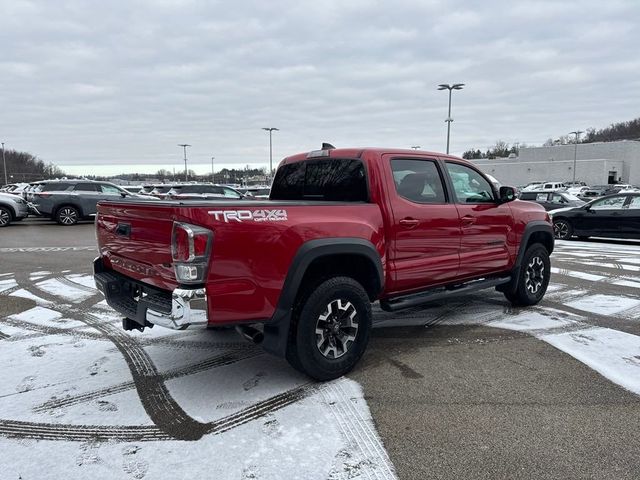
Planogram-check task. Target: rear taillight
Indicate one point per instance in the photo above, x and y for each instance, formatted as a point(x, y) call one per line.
point(190, 249)
point(42, 195)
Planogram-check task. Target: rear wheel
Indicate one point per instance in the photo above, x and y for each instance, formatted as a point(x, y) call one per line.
point(67, 215)
point(562, 229)
point(5, 216)
point(332, 324)
point(533, 277)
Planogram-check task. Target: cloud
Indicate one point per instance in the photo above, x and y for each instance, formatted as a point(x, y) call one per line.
point(118, 82)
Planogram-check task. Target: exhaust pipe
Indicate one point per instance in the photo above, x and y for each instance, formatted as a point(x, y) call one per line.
point(252, 334)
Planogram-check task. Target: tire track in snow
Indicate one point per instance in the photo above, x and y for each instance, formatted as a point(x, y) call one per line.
point(221, 360)
point(154, 395)
point(358, 432)
point(84, 433)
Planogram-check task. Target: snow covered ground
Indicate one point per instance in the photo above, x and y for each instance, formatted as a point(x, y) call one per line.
point(81, 398)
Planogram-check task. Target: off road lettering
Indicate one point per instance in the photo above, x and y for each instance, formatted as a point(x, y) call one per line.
point(229, 216)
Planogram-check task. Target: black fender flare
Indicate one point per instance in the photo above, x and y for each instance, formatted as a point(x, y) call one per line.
point(276, 330)
point(532, 227)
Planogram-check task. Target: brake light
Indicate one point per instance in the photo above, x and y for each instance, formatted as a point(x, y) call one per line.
point(190, 249)
point(43, 195)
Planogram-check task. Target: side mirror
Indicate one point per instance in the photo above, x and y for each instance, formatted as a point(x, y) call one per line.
point(507, 194)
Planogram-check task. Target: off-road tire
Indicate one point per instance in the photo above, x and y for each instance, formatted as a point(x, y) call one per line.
point(562, 229)
point(335, 299)
point(533, 277)
point(5, 217)
point(67, 215)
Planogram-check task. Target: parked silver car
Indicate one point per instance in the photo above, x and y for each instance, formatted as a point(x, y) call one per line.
point(67, 201)
point(12, 208)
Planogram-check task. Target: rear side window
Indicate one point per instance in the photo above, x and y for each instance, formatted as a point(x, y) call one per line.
point(85, 187)
point(332, 179)
point(54, 187)
point(541, 197)
point(418, 181)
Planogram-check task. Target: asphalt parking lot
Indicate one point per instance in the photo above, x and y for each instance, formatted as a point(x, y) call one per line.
point(467, 389)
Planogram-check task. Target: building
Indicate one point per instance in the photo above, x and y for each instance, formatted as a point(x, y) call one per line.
point(597, 164)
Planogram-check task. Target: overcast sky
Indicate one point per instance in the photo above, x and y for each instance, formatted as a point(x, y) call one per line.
point(111, 86)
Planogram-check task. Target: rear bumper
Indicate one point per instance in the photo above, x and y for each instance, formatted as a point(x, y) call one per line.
point(146, 305)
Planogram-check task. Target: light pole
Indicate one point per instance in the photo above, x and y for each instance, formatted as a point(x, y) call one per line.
point(270, 130)
point(5, 165)
point(213, 178)
point(575, 152)
point(184, 147)
point(446, 86)
point(416, 147)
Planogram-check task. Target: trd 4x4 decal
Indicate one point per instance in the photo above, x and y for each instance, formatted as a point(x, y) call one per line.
point(249, 215)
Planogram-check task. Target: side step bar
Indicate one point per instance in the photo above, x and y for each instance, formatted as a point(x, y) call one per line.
point(415, 299)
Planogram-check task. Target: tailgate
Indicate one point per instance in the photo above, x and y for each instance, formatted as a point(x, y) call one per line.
point(135, 240)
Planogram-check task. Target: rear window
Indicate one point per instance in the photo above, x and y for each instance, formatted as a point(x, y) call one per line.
point(53, 187)
point(333, 179)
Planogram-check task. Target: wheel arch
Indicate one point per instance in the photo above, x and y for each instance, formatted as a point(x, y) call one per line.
point(316, 260)
point(537, 231)
point(12, 212)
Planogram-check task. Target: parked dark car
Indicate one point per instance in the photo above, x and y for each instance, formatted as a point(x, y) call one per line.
point(552, 200)
point(67, 201)
point(616, 216)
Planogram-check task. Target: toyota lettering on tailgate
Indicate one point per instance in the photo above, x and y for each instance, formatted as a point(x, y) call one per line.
point(249, 215)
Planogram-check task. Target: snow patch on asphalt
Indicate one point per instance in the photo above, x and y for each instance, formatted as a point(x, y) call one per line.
point(604, 304)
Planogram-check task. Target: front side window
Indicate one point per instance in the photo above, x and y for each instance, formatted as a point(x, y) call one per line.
point(556, 198)
point(611, 203)
point(469, 186)
point(110, 189)
point(635, 202)
point(418, 181)
point(228, 192)
point(331, 179)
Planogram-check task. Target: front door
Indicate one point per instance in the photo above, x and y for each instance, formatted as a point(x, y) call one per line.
point(602, 218)
point(426, 229)
point(486, 223)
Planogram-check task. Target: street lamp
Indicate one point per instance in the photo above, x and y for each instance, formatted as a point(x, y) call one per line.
point(213, 178)
point(5, 165)
point(575, 152)
point(184, 147)
point(270, 130)
point(446, 86)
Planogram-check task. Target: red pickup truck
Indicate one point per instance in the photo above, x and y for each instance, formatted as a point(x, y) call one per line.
point(342, 228)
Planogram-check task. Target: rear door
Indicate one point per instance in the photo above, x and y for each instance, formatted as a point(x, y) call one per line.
point(425, 228)
point(485, 222)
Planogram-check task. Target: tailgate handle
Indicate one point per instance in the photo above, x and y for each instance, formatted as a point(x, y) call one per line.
point(123, 229)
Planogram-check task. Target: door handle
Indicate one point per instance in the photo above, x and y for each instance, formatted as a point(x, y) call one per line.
point(409, 222)
point(468, 220)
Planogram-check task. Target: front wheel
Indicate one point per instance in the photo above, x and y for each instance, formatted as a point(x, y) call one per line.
point(5, 217)
point(332, 324)
point(533, 277)
point(562, 229)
